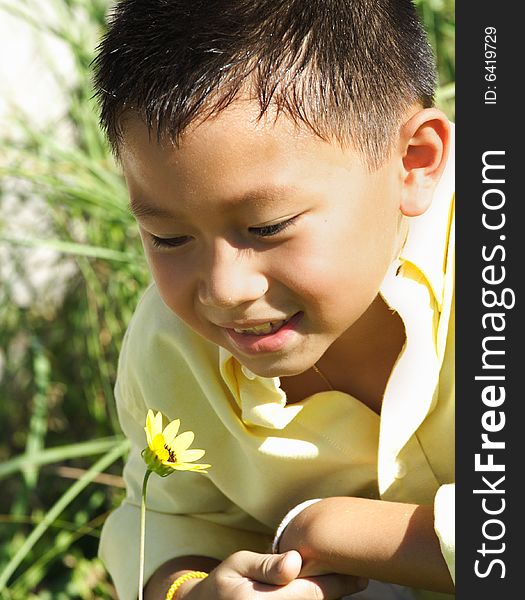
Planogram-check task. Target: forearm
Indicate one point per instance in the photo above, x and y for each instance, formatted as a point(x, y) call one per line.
point(388, 541)
point(160, 582)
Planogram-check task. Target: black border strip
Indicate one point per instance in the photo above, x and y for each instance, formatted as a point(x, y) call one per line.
point(490, 130)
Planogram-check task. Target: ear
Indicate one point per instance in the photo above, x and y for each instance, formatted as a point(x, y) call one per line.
point(425, 140)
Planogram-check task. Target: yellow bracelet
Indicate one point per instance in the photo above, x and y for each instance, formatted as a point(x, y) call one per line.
point(182, 579)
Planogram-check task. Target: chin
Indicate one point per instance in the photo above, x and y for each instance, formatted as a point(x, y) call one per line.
point(278, 368)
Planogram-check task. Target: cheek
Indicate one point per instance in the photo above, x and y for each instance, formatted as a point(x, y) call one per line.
point(338, 271)
point(173, 282)
point(316, 273)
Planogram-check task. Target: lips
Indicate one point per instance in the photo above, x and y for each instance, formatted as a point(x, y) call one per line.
point(262, 329)
point(265, 337)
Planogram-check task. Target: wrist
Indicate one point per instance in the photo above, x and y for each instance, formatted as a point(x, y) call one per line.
point(183, 584)
point(188, 591)
point(162, 579)
point(292, 515)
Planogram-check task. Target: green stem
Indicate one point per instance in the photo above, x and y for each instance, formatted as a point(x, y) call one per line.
point(143, 532)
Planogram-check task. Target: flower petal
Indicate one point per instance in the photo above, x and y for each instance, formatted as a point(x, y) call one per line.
point(157, 424)
point(148, 436)
point(189, 467)
point(188, 456)
point(182, 442)
point(149, 427)
point(170, 431)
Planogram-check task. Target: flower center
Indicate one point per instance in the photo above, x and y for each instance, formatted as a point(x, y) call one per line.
point(171, 455)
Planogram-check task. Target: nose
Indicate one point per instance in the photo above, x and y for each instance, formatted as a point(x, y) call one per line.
point(232, 277)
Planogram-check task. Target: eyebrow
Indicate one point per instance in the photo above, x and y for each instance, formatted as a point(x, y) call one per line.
point(140, 208)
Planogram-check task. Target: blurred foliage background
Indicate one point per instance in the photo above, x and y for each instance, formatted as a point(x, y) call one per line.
point(61, 449)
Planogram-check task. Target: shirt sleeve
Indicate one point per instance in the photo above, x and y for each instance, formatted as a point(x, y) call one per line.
point(445, 525)
point(186, 513)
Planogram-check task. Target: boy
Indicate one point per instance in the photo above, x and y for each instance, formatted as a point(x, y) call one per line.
point(282, 159)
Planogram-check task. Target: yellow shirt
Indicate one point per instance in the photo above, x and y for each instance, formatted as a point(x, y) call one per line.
point(268, 456)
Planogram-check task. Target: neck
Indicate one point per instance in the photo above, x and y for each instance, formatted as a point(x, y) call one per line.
point(360, 362)
point(368, 335)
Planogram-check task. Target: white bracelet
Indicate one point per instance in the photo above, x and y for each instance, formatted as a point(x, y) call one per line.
point(286, 521)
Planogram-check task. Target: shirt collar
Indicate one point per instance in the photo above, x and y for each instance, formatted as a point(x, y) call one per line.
point(427, 242)
point(261, 399)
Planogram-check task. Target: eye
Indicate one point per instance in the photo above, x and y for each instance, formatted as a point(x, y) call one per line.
point(174, 242)
point(274, 229)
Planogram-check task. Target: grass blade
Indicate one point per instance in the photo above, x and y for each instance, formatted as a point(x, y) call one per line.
point(38, 422)
point(52, 455)
point(58, 507)
point(36, 572)
point(74, 248)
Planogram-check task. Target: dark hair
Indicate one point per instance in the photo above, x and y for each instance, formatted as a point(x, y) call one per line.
point(348, 69)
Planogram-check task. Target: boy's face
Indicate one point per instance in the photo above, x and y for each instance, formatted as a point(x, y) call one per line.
point(263, 238)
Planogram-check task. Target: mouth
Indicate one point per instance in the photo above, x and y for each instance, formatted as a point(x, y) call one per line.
point(263, 329)
point(265, 337)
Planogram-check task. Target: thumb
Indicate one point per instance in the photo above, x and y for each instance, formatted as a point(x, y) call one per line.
point(273, 569)
point(288, 566)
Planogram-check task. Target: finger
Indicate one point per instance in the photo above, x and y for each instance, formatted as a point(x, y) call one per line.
point(323, 587)
point(272, 569)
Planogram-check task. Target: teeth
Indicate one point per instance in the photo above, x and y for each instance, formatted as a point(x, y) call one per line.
point(263, 329)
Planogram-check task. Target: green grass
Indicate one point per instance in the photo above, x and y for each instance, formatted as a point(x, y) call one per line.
point(56, 389)
point(57, 364)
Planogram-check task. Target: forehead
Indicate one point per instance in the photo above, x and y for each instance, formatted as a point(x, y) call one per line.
point(235, 128)
point(229, 154)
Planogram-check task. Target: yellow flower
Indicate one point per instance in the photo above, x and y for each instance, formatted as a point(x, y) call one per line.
point(168, 451)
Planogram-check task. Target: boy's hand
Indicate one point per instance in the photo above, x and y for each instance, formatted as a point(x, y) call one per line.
point(251, 576)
